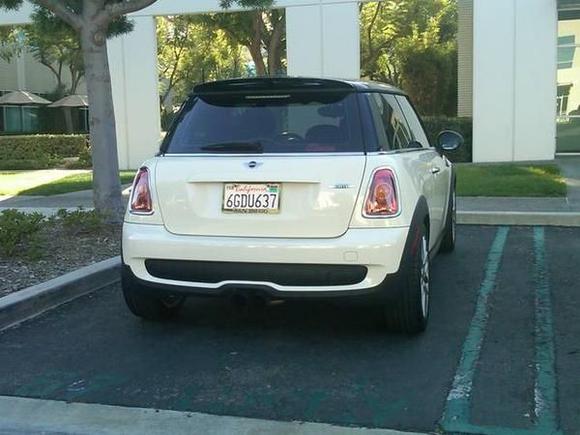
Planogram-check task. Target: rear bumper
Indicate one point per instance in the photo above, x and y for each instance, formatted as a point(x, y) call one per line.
point(379, 250)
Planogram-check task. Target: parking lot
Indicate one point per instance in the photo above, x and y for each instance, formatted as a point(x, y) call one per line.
point(501, 355)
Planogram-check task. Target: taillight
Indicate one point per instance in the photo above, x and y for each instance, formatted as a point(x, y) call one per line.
point(141, 195)
point(382, 197)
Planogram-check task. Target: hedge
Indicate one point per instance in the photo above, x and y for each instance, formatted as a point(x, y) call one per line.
point(39, 151)
point(26, 164)
point(436, 124)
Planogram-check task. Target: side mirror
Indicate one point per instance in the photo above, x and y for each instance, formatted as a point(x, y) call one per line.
point(449, 140)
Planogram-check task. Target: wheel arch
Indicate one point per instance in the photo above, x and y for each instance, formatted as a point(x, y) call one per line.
point(420, 217)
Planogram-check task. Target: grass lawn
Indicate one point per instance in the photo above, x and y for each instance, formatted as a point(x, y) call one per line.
point(38, 183)
point(510, 180)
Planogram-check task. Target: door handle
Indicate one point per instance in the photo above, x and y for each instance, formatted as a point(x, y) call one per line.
point(435, 170)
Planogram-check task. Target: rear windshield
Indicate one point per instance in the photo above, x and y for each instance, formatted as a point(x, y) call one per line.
point(307, 122)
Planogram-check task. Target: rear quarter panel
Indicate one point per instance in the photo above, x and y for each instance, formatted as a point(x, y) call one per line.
point(412, 170)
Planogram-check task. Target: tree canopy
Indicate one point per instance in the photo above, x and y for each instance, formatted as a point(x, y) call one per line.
point(197, 48)
point(190, 53)
point(412, 44)
point(261, 31)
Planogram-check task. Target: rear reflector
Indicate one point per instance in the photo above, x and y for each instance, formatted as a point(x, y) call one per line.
point(141, 195)
point(382, 198)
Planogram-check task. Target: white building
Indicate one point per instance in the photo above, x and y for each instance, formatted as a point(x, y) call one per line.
point(519, 76)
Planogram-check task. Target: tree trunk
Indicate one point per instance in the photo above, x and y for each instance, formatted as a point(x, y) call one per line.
point(256, 53)
point(255, 46)
point(76, 77)
point(60, 87)
point(106, 182)
point(274, 48)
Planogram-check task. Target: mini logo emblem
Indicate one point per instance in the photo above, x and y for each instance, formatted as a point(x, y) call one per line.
point(253, 164)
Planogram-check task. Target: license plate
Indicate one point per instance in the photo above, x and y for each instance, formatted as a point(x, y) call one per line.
point(251, 198)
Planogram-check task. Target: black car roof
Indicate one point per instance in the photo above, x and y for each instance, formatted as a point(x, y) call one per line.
point(270, 84)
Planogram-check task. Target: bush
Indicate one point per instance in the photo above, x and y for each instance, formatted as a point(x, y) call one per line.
point(81, 221)
point(26, 164)
point(84, 161)
point(436, 124)
point(17, 229)
point(39, 151)
point(429, 75)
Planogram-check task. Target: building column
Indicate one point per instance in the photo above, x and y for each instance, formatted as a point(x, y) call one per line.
point(514, 80)
point(133, 66)
point(323, 40)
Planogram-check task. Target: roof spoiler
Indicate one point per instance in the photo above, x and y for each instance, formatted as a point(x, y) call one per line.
point(273, 84)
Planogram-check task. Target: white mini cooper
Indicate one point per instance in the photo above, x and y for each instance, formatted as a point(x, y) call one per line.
point(291, 187)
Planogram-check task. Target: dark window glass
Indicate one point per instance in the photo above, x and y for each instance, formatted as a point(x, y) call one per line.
point(13, 119)
point(297, 122)
point(414, 122)
point(392, 129)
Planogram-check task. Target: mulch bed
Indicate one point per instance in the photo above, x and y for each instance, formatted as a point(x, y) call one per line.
point(59, 251)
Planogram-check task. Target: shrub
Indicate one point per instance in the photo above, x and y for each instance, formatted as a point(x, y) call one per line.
point(40, 151)
point(436, 124)
point(81, 221)
point(42, 163)
point(84, 161)
point(17, 229)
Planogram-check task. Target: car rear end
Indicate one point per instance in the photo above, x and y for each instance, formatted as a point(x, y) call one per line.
point(266, 185)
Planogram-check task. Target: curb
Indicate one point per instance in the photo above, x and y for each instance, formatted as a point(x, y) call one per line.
point(58, 417)
point(32, 301)
point(560, 219)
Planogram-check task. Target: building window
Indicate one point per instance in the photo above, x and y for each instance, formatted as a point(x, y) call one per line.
point(20, 119)
point(563, 94)
point(566, 51)
point(83, 119)
point(568, 95)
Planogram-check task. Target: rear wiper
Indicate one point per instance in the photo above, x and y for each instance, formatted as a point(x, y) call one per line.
point(238, 147)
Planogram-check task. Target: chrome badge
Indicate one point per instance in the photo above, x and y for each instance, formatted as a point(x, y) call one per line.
point(253, 164)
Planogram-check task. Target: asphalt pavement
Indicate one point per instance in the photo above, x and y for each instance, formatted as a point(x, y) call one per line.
point(501, 354)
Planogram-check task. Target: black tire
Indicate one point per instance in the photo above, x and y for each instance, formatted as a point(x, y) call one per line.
point(449, 235)
point(409, 312)
point(142, 302)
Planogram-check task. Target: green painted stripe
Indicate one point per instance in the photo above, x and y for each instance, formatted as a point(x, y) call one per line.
point(457, 407)
point(545, 394)
point(456, 416)
point(466, 428)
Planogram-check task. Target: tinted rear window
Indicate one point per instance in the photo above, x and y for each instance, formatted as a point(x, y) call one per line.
point(307, 122)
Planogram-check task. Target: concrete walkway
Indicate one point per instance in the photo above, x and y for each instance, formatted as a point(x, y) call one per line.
point(49, 205)
point(526, 205)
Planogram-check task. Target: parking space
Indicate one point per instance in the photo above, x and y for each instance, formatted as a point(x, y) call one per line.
point(501, 353)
